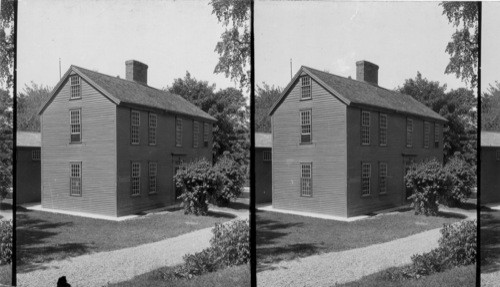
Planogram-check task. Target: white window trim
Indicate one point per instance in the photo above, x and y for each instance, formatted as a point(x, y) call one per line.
point(78, 178)
point(79, 124)
point(134, 125)
point(196, 134)
point(153, 176)
point(132, 177)
point(153, 124)
point(178, 131)
point(310, 178)
point(409, 132)
point(266, 155)
point(383, 128)
point(75, 85)
point(382, 175)
point(304, 119)
point(365, 127)
point(306, 88)
point(369, 166)
point(36, 155)
point(427, 134)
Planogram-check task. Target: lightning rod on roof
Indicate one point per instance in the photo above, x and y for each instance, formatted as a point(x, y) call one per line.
point(290, 68)
point(59, 68)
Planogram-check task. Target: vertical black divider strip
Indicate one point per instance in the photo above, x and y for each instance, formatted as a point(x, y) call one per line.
point(253, 249)
point(14, 157)
point(478, 152)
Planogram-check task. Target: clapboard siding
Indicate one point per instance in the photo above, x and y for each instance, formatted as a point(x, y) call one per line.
point(28, 181)
point(97, 152)
point(392, 154)
point(263, 178)
point(162, 153)
point(490, 175)
point(327, 153)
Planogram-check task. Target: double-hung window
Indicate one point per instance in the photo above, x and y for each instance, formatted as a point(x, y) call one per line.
point(205, 134)
point(153, 173)
point(383, 130)
point(76, 87)
point(178, 132)
point(306, 179)
point(136, 178)
point(365, 128)
point(75, 179)
point(366, 173)
point(196, 134)
point(153, 123)
point(409, 132)
point(306, 126)
point(427, 134)
point(382, 174)
point(35, 155)
point(436, 135)
point(135, 123)
point(266, 155)
point(75, 125)
point(306, 88)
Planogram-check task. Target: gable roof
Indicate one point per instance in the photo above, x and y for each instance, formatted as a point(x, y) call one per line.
point(123, 92)
point(490, 139)
point(28, 139)
point(357, 93)
point(263, 140)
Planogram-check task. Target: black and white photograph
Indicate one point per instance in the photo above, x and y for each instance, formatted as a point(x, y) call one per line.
point(133, 143)
point(369, 113)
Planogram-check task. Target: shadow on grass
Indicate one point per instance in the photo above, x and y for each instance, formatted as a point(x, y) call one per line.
point(449, 214)
point(5, 206)
point(490, 240)
point(268, 231)
point(31, 247)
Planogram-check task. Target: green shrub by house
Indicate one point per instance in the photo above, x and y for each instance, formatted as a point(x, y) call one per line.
point(198, 181)
point(233, 178)
point(428, 182)
point(229, 246)
point(5, 242)
point(464, 180)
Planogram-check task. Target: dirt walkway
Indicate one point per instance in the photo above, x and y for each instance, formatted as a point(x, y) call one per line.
point(350, 265)
point(101, 268)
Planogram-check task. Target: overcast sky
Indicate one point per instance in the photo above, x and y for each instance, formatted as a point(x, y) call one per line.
point(490, 44)
point(170, 37)
point(401, 38)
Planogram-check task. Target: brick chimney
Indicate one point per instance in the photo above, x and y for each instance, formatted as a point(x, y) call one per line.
point(136, 71)
point(367, 72)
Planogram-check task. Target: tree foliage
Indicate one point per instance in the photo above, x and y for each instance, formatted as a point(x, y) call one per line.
point(29, 102)
point(457, 106)
point(228, 106)
point(6, 143)
point(234, 47)
point(265, 98)
point(464, 45)
point(490, 108)
point(7, 48)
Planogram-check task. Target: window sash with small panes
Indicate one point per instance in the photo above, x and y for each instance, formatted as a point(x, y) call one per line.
point(306, 92)
point(427, 132)
point(409, 132)
point(135, 122)
point(135, 178)
point(153, 123)
point(436, 135)
point(366, 171)
point(178, 132)
point(205, 134)
point(153, 175)
point(306, 179)
point(365, 128)
point(382, 177)
point(266, 155)
point(196, 133)
point(75, 179)
point(305, 126)
point(75, 87)
point(383, 130)
point(75, 126)
point(35, 155)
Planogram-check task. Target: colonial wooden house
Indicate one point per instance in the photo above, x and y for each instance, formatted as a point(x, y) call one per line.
point(341, 146)
point(111, 146)
point(263, 167)
point(27, 167)
point(490, 167)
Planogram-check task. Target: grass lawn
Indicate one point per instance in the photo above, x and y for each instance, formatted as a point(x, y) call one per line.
point(45, 236)
point(490, 240)
point(461, 276)
point(228, 277)
point(285, 236)
point(6, 274)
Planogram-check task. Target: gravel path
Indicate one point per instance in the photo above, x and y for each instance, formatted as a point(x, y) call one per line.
point(98, 269)
point(490, 279)
point(345, 266)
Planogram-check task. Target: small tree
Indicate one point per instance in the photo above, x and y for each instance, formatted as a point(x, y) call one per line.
point(428, 182)
point(198, 181)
